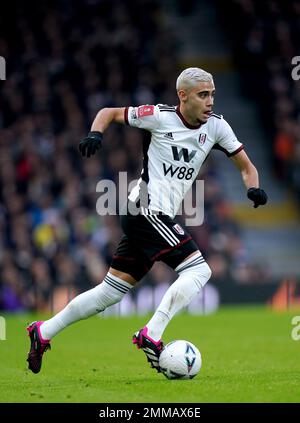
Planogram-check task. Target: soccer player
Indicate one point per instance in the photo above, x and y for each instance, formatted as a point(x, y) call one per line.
point(181, 138)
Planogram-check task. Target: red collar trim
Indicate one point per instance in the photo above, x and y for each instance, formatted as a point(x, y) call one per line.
point(188, 125)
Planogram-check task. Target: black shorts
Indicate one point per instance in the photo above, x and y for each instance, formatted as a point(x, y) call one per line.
point(149, 238)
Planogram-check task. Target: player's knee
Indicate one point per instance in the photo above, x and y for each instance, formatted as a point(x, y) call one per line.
point(200, 273)
point(206, 270)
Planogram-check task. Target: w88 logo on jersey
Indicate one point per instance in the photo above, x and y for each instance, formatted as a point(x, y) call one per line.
point(181, 172)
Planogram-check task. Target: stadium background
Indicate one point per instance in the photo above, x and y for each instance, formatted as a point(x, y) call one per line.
point(67, 59)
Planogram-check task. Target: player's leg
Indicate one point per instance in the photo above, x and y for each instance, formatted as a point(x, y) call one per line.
point(110, 291)
point(182, 255)
point(193, 272)
point(118, 281)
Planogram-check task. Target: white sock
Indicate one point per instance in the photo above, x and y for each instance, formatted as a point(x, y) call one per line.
point(193, 275)
point(91, 302)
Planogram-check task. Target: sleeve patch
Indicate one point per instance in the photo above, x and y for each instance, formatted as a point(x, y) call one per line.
point(133, 115)
point(145, 111)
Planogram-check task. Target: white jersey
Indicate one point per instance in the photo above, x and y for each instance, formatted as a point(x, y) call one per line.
point(175, 153)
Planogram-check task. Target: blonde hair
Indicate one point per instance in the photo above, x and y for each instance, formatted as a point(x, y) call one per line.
point(191, 76)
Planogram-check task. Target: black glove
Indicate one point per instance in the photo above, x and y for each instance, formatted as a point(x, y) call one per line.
point(258, 196)
point(90, 144)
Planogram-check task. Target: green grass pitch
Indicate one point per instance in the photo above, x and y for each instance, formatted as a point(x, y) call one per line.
point(248, 356)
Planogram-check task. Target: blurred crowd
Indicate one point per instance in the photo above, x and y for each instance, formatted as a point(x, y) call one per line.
point(65, 61)
point(268, 40)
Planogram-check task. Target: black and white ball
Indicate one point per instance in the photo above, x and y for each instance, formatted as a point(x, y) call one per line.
point(180, 360)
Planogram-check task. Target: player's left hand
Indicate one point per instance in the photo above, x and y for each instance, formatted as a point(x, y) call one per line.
point(258, 196)
point(90, 144)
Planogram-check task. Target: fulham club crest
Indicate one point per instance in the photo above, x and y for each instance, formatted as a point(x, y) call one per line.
point(178, 229)
point(202, 138)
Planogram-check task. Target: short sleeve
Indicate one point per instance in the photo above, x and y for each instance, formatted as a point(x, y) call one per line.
point(145, 117)
point(226, 139)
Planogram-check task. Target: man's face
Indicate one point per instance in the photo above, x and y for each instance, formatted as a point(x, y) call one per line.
point(198, 101)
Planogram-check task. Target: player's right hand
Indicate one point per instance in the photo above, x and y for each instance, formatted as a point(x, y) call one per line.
point(90, 144)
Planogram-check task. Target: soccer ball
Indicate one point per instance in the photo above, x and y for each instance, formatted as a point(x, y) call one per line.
point(180, 360)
